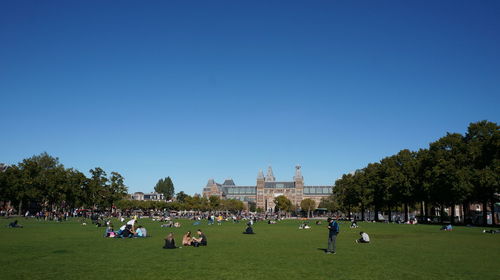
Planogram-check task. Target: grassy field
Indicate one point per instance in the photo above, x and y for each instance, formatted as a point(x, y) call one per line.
point(68, 250)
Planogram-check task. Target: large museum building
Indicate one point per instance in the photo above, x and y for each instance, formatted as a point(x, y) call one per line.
point(267, 188)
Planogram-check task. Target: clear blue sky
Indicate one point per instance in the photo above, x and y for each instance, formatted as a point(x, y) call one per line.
point(214, 89)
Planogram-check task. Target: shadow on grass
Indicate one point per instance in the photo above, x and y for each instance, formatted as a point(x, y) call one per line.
point(322, 249)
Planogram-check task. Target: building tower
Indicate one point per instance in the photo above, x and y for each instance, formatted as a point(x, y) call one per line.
point(260, 190)
point(299, 185)
point(270, 176)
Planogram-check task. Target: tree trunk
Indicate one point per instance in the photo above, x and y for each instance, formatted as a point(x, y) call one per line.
point(465, 211)
point(390, 214)
point(362, 212)
point(493, 220)
point(349, 212)
point(441, 213)
point(452, 214)
point(485, 213)
point(422, 214)
point(376, 214)
point(406, 212)
point(19, 210)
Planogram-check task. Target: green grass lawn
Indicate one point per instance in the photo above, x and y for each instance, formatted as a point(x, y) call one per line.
point(68, 250)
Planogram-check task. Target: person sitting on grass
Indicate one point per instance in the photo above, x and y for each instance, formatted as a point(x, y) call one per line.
point(354, 224)
point(364, 238)
point(140, 232)
point(187, 240)
point(201, 240)
point(120, 230)
point(14, 224)
point(127, 232)
point(169, 242)
point(108, 231)
point(249, 229)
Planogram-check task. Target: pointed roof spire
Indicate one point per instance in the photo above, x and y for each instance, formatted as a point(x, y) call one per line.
point(270, 176)
point(261, 175)
point(210, 182)
point(298, 173)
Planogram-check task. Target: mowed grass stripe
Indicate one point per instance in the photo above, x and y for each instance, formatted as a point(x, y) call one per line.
point(50, 250)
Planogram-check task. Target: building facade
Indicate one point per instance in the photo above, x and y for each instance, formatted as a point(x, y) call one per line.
point(154, 196)
point(267, 188)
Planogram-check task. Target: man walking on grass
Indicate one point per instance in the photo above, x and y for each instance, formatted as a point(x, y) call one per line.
point(333, 230)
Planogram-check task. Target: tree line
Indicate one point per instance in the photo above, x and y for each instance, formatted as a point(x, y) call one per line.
point(454, 170)
point(42, 182)
point(184, 202)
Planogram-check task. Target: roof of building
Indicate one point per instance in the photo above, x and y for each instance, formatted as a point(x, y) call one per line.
point(228, 182)
point(279, 185)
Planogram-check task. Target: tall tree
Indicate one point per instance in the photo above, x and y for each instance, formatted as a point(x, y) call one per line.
point(214, 202)
point(374, 181)
point(329, 203)
point(483, 145)
point(96, 188)
point(166, 187)
point(182, 197)
point(283, 204)
point(450, 175)
point(116, 190)
point(345, 193)
point(308, 205)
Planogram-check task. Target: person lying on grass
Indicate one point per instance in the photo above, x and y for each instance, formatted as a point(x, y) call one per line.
point(201, 240)
point(364, 238)
point(447, 227)
point(187, 239)
point(304, 226)
point(169, 242)
point(14, 224)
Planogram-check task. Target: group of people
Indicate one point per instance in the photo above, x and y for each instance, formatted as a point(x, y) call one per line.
point(171, 224)
point(128, 230)
point(187, 240)
point(334, 230)
point(304, 226)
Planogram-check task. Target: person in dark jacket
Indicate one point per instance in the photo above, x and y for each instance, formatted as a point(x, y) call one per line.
point(249, 229)
point(333, 231)
point(14, 224)
point(169, 242)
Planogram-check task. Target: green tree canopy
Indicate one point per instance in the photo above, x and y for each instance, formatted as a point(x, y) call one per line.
point(166, 187)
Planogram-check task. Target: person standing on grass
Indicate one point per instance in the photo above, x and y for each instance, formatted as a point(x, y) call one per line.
point(333, 230)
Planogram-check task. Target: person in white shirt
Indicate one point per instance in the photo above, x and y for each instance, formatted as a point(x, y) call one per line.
point(364, 238)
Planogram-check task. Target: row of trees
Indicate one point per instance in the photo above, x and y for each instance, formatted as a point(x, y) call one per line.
point(185, 202)
point(455, 170)
point(285, 205)
point(42, 181)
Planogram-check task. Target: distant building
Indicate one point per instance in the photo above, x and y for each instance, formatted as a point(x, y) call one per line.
point(266, 189)
point(154, 196)
point(3, 167)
